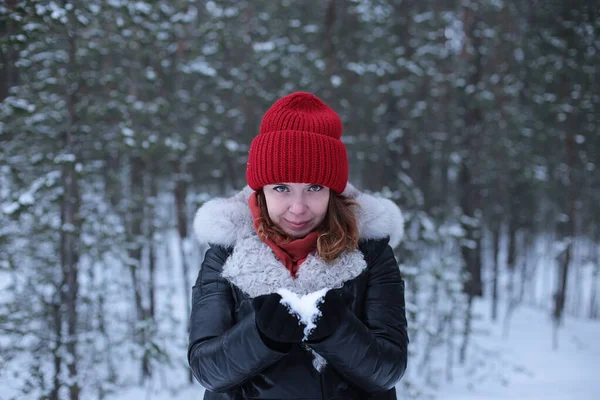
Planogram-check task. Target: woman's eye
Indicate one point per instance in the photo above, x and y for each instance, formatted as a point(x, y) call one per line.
point(315, 188)
point(280, 189)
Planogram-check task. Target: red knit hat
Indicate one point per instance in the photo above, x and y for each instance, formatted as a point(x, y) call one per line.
point(299, 142)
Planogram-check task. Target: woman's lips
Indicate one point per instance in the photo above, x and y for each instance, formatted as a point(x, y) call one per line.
point(297, 225)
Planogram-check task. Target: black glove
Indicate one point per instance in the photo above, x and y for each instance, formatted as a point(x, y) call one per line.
point(332, 309)
point(277, 326)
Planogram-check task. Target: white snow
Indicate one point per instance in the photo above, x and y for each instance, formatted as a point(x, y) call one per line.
point(26, 199)
point(64, 158)
point(232, 145)
point(201, 66)
point(420, 18)
point(127, 131)
point(304, 307)
point(10, 208)
point(311, 28)
point(529, 367)
point(263, 46)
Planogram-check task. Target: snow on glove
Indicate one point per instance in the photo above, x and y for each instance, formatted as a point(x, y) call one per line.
point(278, 326)
point(331, 309)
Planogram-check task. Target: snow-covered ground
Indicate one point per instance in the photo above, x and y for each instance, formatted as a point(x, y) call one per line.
point(530, 369)
point(519, 366)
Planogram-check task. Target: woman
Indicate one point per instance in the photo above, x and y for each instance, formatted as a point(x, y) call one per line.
point(298, 226)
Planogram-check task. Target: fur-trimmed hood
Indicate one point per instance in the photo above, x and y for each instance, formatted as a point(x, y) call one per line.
point(227, 221)
point(253, 267)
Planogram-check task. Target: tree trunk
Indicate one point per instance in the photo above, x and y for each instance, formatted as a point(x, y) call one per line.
point(181, 189)
point(467, 332)
point(511, 303)
point(70, 227)
point(566, 229)
point(496, 238)
point(182, 228)
point(431, 337)
point(568, 236)
point(469, 183)
point(151, 190)
point(471, 250)
point(135, 245)
point(575, 305)
point(152, 277)
point(111, 371)
point(528, 244)
point(57, 325)
point(331, 64)
point(594, 312)
point(150, 309)
point(69, 261)
point(112, 178)
point(9, 73)
point(450, 351)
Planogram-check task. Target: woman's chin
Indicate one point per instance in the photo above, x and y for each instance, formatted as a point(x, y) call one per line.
point(297, 233)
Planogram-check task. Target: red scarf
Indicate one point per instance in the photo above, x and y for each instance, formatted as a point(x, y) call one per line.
point(292, 253)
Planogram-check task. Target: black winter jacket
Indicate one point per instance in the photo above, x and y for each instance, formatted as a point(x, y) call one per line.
point(364, 358)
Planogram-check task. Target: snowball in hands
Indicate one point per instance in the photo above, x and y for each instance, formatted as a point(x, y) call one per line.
point(304, 307)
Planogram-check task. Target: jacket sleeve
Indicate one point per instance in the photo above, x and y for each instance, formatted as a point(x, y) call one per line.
point(222, 352)
point(372, 352)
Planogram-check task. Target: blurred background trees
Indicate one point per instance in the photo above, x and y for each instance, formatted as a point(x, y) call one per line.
point(119, 118)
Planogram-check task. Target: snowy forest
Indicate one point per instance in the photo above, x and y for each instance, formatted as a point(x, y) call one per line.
point(119, 118)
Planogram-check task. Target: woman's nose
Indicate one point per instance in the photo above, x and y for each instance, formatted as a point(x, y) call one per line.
point(298, 207)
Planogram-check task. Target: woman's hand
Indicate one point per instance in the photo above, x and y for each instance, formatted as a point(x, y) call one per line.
point(278, 327)
point(332, 308)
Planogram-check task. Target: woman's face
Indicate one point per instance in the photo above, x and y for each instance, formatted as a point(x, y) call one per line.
point(297, 208)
